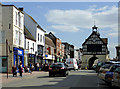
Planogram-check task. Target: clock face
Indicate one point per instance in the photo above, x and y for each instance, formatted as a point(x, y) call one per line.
point(94, 40)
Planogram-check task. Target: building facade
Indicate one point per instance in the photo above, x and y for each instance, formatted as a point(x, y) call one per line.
point(94, 48)
point(29, 48)
point(49, 51)
point(118, 52)
point(13, 42)
point(58, 50)
point(38, 33)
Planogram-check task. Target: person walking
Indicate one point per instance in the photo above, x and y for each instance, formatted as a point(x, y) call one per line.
point(14, 71)
point(20, 69)
point(38, 66)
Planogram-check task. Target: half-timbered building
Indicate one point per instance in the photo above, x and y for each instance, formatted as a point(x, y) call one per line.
point(94, 48)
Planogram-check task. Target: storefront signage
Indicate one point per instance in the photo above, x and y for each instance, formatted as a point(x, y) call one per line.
point(19, 52)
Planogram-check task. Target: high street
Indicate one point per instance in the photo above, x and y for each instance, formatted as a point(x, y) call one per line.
point(80, 78)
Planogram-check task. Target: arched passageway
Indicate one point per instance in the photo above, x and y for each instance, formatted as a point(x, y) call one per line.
point(91, 62)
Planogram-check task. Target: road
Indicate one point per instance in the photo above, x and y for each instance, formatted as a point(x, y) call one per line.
point(80, 78)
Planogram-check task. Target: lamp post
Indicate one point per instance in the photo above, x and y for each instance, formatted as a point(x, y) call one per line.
point(7, 56)
point(31, 54)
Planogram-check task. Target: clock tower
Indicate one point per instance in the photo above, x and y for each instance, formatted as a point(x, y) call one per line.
point(94, 48)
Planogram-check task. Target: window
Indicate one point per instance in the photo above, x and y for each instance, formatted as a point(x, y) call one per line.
point(20, 38)
point(38, 36)
point(9, 26)
point(28, 45)
point(16, 18)
point(4, 62)
point(19, 18)
point(43, 38)
point(33, 47)
point(17, 41)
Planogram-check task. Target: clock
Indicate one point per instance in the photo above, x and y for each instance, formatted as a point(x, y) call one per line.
point(94, 40)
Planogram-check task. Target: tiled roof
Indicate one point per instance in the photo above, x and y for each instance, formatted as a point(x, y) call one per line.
point(48, 41)
point(28, 34)
point(105, 40)
point(36, 23)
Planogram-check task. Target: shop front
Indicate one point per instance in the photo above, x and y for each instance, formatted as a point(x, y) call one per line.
point(31, 59)
point(18, 56)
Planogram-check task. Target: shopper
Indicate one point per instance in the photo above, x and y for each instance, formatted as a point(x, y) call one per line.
point(20, 69)
point(14, 71)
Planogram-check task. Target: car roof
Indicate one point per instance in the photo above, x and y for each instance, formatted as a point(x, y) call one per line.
point(58, 63)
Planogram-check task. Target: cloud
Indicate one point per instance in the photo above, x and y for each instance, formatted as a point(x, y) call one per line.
point(113, 34)
point(65, 28)
point(74, 20)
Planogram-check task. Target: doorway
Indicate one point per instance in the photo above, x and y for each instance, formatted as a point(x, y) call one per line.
point(91, 62)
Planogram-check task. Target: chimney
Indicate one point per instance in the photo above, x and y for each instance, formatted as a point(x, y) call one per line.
point(21, 8)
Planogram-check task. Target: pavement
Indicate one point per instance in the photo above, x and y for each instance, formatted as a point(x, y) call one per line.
point(24, 75)
point(80, 78)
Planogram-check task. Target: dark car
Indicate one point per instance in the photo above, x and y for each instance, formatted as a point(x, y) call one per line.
point(58, 69)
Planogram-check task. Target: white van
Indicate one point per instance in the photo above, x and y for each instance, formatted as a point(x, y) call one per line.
point(72, 64)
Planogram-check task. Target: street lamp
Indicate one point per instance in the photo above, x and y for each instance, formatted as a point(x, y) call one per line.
point(31, 54)
point(7, 56)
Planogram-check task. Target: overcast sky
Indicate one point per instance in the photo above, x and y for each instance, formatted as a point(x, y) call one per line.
point(72, 21)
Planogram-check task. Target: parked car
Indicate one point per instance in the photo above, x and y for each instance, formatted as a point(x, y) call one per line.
point(99, 64)
point(58, 68)
point(72, 64)
point(103, 70)
point(116, 78)
point(109, 73)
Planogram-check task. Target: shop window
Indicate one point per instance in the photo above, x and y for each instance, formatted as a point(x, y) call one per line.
point(4, 62)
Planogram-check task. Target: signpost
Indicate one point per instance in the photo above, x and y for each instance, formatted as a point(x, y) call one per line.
point(7, 56)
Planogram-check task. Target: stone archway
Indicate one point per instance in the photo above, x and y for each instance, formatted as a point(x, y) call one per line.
point(91, 62)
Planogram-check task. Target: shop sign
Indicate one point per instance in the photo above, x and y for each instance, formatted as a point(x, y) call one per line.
point(19, 52)
point(31, 55)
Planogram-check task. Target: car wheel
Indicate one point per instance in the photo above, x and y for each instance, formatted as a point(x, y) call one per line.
point(64, 74)
point(112, 84)
point(50, 74)
point(67, 73)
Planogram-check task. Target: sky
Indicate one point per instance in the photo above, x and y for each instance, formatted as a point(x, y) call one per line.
point(72, 22)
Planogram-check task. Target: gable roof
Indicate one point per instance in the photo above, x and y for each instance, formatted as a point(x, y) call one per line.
point(12, 6)
point(48, 41)
point(28, 34)
point(97, 36)
point(105, 40)
point(36, 23)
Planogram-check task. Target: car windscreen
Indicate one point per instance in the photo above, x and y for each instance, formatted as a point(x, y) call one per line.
point(114, 67)
point(107, 66)
point(57, 65)
point(118, 69)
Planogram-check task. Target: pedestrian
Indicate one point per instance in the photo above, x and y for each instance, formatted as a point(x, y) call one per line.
point(38, 66)
point(20, 69)
point(26, 69)
point(31, 68)
point(14, 71)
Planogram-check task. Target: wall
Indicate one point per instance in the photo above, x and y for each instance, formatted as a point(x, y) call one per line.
point(19, 29)
point(30, 46)
point(85, 59)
